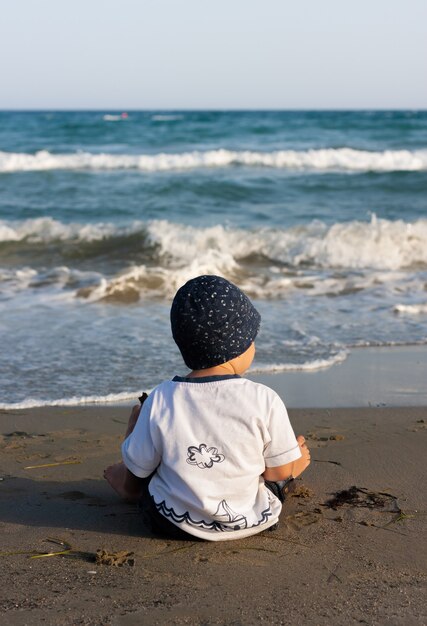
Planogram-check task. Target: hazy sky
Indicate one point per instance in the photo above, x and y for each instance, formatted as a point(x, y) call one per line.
point(213, 54)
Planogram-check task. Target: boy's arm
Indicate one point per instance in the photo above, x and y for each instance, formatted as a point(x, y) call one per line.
point(126, 484)
point(136, 410)
point(294, 469)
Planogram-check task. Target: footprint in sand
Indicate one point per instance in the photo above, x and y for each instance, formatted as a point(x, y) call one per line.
point(79, 495)
point(72, 495)
point(298, 521)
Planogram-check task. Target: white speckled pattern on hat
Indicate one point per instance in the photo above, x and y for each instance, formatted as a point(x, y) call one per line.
point(212, 321)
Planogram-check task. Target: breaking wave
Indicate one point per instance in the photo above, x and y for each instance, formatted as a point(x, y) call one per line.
point(378, 243)
point(47, 229)
point(327, 159)
point(157, 257)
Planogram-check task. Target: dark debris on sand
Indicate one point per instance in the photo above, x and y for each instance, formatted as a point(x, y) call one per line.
point(360, 497)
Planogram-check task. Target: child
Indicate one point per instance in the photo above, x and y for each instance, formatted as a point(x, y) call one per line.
point(216, 451)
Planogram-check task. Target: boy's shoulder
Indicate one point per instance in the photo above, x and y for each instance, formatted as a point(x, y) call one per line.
point(263, 389)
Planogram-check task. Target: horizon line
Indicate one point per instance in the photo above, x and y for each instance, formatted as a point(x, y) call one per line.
point(208, 109)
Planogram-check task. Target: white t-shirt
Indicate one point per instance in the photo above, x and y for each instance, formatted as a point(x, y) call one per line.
point(209, 440)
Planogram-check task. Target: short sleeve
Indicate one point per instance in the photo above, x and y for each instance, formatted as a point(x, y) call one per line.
point(139, 453)
point(282, 448)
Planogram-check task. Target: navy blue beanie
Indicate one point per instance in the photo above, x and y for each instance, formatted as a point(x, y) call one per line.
point(212, 321)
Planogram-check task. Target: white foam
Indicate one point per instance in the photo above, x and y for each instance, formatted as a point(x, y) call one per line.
point(411, 309)
point(140, 281)
point(378, 244)
point(7, 233)
point(30, 403)
point(307, 366)
point(15, 280)
point(48, 286)
point(340, 159)
point(45, 229)
point(24, 274)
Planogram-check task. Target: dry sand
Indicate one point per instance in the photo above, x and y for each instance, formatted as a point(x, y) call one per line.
point(362, 561)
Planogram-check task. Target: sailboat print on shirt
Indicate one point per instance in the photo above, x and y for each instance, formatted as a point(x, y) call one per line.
point(226, 516)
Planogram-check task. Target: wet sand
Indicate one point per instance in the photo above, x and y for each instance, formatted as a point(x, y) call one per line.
point(359, 559)
point(380, 376)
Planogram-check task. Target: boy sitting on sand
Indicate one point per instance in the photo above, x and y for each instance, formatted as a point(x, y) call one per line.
point(211, 454)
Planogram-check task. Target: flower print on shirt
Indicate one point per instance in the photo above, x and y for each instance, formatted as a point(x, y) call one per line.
point(203, 457)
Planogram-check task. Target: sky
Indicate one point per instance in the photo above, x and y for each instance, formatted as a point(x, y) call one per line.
point(218, 54)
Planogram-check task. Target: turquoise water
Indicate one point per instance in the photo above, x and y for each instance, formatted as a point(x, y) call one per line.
point(320, 216)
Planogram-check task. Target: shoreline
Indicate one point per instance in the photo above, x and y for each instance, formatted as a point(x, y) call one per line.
point(369, 376)
point(365, 557)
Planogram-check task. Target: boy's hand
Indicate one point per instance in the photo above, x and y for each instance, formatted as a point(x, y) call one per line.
point(128, 486)
point(304, 461)
point(143, 397)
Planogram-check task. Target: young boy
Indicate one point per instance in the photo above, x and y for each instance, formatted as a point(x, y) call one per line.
point(218, 449)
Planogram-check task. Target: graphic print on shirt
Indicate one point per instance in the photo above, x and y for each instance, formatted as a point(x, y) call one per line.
point(203, 457)
point(228, 518)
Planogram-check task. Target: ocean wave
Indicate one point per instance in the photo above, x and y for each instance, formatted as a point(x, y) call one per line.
point(306, 366)
point(53, 284)
point(111, 398)
point(377, 244)
point(47, 229)
point(326, 159)
point(142, 281)
point(159, 256)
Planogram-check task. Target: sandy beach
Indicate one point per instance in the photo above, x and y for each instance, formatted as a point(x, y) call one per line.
point(143, 145)
point(350, 547)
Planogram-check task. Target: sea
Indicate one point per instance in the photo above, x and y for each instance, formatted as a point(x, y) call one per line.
point(319, 216)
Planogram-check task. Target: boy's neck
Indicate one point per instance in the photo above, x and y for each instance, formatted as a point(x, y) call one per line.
point(218, 370)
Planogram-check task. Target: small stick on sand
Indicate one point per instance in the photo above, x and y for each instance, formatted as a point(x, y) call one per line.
point(52, 464)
